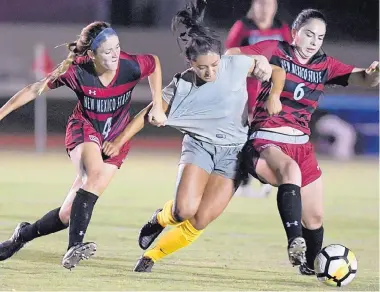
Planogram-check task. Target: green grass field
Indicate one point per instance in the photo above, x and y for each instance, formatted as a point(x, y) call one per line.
point(243, 250)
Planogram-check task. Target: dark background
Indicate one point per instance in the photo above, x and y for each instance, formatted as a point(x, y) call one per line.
point(357, 21)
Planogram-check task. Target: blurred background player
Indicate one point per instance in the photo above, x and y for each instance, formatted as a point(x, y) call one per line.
point(279, 149)
point(208, 103)
point(103, 78)
point(261, 23)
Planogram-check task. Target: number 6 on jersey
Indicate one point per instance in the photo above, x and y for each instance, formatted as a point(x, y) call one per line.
point(299, 92)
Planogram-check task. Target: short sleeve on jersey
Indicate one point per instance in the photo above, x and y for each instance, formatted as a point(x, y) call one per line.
point(147, 65)
point(265, 48)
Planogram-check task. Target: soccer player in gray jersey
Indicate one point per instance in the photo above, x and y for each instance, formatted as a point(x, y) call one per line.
point(208, 103)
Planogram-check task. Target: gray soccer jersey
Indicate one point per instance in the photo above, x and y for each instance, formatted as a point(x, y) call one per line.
point(216, 112)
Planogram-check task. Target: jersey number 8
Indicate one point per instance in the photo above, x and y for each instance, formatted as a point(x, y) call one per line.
point(299, 92)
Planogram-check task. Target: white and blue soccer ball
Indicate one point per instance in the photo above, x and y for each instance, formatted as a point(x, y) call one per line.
point(336, 265)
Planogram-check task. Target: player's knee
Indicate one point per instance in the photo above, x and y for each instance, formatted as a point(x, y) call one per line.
point(313, 221)
point(96, 182)
point(290, 173)
point(64, 214)
point(182, 213)
point(201, 221)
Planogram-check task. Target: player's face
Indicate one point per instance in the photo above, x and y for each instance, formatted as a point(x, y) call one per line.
point(108, 54)
point(309, 38)
point(264, 10)
point(206, 66)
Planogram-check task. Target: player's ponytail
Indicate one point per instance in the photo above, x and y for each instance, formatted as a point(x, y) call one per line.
point(87, 41)
point(60, 70)
point(196, 39)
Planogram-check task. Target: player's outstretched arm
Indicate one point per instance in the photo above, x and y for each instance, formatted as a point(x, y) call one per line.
point(22, 97)
point(112, 148)
point(156, 115)
point(261, 69)
point(365, 77)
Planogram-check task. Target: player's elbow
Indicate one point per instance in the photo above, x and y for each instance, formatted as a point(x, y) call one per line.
point(30, 92)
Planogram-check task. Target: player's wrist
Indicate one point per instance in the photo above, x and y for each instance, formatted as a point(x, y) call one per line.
point(274, 95)
point(157, 100)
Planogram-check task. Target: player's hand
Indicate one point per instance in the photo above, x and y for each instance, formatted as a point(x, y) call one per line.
point(262, 70)
point(273, 105)
point(111, 149)
point(373, 68)
point(157, 116)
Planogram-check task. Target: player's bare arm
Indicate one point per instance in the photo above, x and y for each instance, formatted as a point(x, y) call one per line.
point(156, 116)
point(273, 104)
point(261, 69)
point(21, 98)
point(365, 77)
point(112, 148)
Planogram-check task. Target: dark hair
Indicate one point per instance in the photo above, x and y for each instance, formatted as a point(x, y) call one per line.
point(78, 48)
point(86, 37)
point(197, 39)
point(306, 15)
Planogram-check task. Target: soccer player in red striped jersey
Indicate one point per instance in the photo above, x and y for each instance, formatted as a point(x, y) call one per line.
point(261, 23)
point(279, 151)
point(103, 79)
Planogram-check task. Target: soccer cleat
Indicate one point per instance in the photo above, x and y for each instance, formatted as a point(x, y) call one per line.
point(78, 252)
point(14, 244)
point(150, 231)
point(296, 251)
point(305, 270)
point(144, 265)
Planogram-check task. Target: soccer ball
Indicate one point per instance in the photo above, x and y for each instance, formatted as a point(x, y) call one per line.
point(335, 265)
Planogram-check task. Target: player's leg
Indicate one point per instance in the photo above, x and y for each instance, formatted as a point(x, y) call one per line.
point(217, 195)
point(217, 191)
point(312, 221)
point(196, 164)
point(96, 175)
point(288, 178)
point(192, 181)
point(53, 221)
point(194, 168)
point(312, 208)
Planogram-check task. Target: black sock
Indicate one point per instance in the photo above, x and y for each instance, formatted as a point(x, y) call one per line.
point(48, 224)
point(314, 240)
point(290, 209)
point(80, 216)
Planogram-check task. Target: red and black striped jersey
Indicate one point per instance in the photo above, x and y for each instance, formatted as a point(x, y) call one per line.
point(107, 108)
point(304, 84)
point(245, 32)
